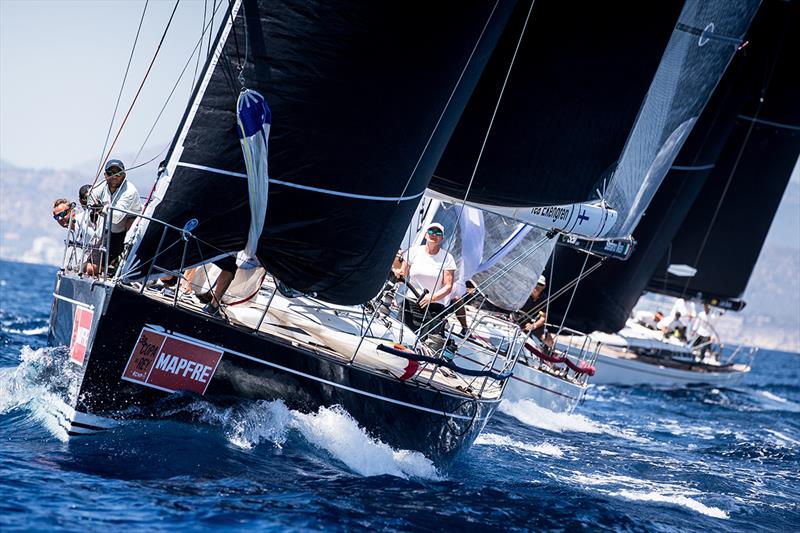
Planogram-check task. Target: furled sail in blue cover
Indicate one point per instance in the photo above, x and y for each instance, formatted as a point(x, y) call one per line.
point(364, 96)
point(255, 118)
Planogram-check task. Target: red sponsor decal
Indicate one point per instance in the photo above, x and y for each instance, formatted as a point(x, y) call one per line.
point(81, 328)
point(171, 363)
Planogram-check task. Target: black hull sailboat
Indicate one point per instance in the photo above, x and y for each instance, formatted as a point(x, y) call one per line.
point(358, 102)
point(362, 113)
point(142, 349)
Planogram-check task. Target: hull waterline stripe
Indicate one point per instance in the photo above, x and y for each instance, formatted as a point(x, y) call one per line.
point(306, 187)
point(770, 123)
point(684, 167)
point(691, 379)
point(76, 302)
point(81, 425)
point(345, 387)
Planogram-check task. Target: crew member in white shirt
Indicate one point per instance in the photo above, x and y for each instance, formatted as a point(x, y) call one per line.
point(702, 329)
point(431, 271)
point(119, 193)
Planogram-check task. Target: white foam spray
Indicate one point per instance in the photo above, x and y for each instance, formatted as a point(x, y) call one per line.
point(545, 448)
point(533, 415)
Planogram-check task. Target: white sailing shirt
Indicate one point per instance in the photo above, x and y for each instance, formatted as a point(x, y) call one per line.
point(125, 197)
point(702, 326)
point(426, 271)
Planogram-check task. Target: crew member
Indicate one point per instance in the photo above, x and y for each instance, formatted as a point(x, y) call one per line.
point(117, 192)
point(535, 321)
point(430, 270)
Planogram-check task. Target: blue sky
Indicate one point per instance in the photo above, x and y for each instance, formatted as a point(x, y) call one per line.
point(61, 67)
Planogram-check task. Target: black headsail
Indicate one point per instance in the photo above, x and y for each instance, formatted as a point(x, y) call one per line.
point(606, 298)
point(364, 97)
point(725, 230)
point(577, 83)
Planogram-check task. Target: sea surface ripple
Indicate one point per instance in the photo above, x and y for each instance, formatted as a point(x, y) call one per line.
point(629, 459)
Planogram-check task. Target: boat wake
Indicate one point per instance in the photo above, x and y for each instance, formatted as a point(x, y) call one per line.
point(773, 402)
point(36, 388)
point(28, 331)
point(545, 448)
point(533, 415)
point(33, 390)
point(674, 499)
point(641, 490)
point(330, 430)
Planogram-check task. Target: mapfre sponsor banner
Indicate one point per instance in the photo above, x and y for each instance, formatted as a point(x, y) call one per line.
point(81, 328)
point(171, 363)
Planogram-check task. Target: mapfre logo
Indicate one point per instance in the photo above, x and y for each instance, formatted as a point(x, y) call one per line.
point(170, 363)
point(81, 329)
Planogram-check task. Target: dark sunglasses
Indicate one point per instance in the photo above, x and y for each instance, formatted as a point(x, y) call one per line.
point(62, 214)
point(434, 231)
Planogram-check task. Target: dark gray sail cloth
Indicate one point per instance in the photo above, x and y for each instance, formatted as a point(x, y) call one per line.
point(578, 81)
point(605, 298)
point(749, 180)
point(364, 97)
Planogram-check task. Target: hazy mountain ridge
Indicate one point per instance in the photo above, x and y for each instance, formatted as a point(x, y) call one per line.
point(28, 232)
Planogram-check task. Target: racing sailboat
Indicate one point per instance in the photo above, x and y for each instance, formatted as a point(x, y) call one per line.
point(627, 167)
point(356, 111)
point(311, 137)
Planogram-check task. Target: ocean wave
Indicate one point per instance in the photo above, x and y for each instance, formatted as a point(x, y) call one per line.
point(636, 489)
point(545, 448)
point(37, 385)
point(330, 429)
point(675, 499)
point(335, 431)
point(30, 331)
point(773, 402)
point(531, 414)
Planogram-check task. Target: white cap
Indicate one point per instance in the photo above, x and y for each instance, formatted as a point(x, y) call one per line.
point(542, 280)
point(436, 225)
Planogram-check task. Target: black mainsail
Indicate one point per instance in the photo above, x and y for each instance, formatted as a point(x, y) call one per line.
point(569, 103)
point(675, 226)
point(364, 97)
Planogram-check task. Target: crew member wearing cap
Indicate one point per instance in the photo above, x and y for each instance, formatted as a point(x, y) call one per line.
point(534, 321)
point(119, 193)
point(431, 271)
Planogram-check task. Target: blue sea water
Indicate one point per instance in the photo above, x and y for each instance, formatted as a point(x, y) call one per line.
point(629, 459)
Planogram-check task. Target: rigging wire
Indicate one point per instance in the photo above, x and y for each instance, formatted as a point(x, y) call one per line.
point(447, 104)
point(211, 31)
point(488, 132)
point(138, 92)
point(195, 80)
point(121, 88)
point(739, 155)
point(572, 296)
point(174, 87)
